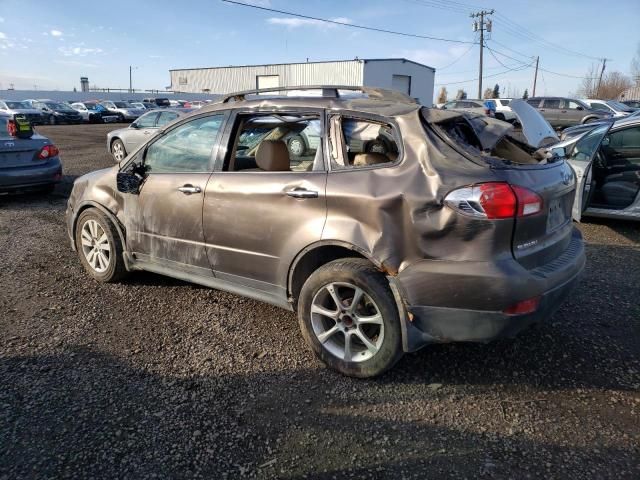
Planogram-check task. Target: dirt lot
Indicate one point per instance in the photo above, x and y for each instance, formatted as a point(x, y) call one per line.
point(156, 378)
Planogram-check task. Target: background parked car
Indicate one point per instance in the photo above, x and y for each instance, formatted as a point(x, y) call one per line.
point(27, 163)
point(563, 112)
point(57, 112)
point(632, 103)
point(156, 103)
point(503, 111)
point(92, 114)
point(465, 105)
point(138, 105)
point(123, 141)
point(13, 107)
point(127, 112)
point(616, 109)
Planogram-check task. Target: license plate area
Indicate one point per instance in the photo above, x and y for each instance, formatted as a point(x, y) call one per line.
point(557, 215)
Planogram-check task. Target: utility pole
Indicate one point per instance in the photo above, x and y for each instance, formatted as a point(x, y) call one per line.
point(535, 77)
point(130, 81)
point(604, 63)
point(481, 25)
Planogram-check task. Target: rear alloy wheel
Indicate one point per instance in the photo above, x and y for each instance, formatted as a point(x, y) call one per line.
point(297, 146)
point(118, 151)
point(99, 246)
point(349, 318)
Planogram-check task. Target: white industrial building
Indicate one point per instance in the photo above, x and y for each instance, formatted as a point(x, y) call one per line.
point(412, 78)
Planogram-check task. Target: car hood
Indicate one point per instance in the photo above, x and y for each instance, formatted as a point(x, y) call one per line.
point(535, 128)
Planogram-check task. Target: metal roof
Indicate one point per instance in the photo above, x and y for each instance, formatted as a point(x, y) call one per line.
point(363, 60)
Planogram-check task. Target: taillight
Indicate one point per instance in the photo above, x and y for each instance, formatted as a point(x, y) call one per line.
point(48, 151)
point(525, 306)
point(494, 200)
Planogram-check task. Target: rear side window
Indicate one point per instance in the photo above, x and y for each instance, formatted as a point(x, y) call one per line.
point(357, 143)
point(186, 148)
point(166, 117)
point(147, 121)
point(551, 103)
point(571, 105)
point(505, 102)
point(534, 102)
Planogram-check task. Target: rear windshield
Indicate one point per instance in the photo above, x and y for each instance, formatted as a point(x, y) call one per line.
point(163, 102)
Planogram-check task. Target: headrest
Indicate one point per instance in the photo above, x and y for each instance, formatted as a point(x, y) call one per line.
point(362, 159)
point(273, 156)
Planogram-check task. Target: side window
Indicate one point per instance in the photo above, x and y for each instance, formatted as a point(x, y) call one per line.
point(551, 103)
point(628, 138)
point(365, 143)
point(600, 107)
point(571, 105)
point(534, 102)
point(147, 121)
point(166, 117)
point(186, 148)
point(276, 143)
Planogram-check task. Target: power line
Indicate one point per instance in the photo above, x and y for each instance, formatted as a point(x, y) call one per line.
point(345, 24)
point(516, 69)
point(457, 59)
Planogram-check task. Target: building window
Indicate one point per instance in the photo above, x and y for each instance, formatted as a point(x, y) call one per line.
point(267, 81)
point(401, 83)
point(182, 80)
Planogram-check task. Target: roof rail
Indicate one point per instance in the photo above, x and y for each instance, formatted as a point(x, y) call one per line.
point(328, 91)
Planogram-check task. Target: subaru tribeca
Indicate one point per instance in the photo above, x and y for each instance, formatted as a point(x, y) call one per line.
point(459, 229)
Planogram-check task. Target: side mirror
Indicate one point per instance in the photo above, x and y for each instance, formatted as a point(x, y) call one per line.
point(134, 125)
point(579, 108)
point(128, 182)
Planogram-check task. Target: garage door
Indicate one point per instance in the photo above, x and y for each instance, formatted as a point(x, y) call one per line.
point(402, 83)
point(267, 81)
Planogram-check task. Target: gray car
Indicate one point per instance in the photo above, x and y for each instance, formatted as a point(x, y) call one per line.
point(128, 112)
point(606, 159)
point(563, 112)
point(457, 232)
point(27, 163)
point(13, 107)
point(124, 140)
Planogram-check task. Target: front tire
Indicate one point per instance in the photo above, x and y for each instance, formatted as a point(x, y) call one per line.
point(349, 317)
point(99, 246)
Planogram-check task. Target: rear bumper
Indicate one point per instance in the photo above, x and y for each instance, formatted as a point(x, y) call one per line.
point(21, 178)
point(464, 301)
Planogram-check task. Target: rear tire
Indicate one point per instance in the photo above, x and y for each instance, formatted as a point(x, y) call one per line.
point(99, 247)
point(361, 340)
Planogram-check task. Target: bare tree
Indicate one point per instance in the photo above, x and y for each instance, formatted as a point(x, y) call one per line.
point(488, 93)
point(442, 95)
point(461, 95)
point(612, 85)
point(589, 85)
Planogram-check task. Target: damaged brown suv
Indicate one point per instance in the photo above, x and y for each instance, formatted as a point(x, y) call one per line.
point(386, 225)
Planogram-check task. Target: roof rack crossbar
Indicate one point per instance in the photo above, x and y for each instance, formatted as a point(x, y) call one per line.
point(328, 91)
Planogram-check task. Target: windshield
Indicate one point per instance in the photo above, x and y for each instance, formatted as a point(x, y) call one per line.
point(17, 105)
point(58, 106)
point(586, 146)
point(621, 107)
point(121, 105)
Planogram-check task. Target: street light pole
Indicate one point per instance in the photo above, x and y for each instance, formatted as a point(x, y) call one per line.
point(130, 81)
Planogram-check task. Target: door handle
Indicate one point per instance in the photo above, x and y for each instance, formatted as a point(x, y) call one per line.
point(189, 189)
point(146, 132)
point(302, 193)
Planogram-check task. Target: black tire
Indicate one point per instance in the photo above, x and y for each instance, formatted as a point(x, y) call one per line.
point(53, 120)
point(362, 274)
point(115, 269)
point(49, 189)
point(500, 116)
point(121, 118)
point(117, 143)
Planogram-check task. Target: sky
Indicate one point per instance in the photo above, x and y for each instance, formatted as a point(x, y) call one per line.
point(50, 44)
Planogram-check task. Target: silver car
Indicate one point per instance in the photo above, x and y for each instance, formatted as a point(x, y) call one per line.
point(13, 107)
point(606, 160)
point(128, 112)
point(123, 141)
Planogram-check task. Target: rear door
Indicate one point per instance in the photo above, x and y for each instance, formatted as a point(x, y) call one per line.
point(580, 157)
point(550, 110)
point(572, 113)
point(257, 220)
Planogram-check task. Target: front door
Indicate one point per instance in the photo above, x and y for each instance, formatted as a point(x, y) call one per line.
point(267, 202)
point(140, 131)
point(164, 221)
point(581, 160)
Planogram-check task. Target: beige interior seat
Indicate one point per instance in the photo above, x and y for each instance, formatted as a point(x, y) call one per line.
point(273, 156)
point(364, 159)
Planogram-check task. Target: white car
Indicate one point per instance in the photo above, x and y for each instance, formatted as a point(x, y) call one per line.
point(128, 112)
point(617, 109)
point(465, 105)
point(503, 110)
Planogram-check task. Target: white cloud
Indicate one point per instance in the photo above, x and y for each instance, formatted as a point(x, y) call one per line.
point(78, 51)
point(3, 36)
point(305, 22)
point(55, 33)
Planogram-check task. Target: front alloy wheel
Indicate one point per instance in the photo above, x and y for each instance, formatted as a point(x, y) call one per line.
point(118, 151)
point(95, 246)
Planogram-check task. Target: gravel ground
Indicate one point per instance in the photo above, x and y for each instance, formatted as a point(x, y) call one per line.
point(156, 378)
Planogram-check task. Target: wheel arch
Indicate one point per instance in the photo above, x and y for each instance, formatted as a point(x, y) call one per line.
point(589, 117)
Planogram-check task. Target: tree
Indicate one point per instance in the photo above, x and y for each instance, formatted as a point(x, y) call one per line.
point(612, 85)
point(525, 95)
point(461, 95)
point(442, 95)
point(496, 91)
point(488, 93)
